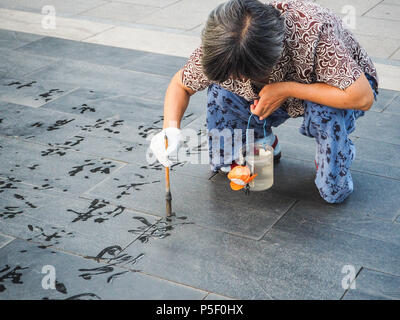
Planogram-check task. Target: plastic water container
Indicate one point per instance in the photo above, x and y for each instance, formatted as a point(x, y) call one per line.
point(260, 160)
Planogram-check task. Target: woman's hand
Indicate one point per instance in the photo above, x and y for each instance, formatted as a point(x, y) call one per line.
point(272, 96)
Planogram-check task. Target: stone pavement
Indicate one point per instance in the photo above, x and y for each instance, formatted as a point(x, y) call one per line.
point(77, 194)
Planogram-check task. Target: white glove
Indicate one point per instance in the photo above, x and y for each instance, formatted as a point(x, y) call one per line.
point(157, 145)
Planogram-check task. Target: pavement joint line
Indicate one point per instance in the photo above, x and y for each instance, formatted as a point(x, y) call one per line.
point(26, 43)
point(124, 163)
point(397, 50)
point(384, 272)
point(134, 240)
point(108, 66)
point(354, 280)
point(356, 170)
point(92, 8)
point(61, 95)
point(56, 193)
point(386, 62)
point(181, 283)
point(7, 243)
point(142, 5)
point(372, 8)
point(130, 209)
point(11, 239)
point(126, 267)
point(191, 29)
point(67, 227)
point(280, 218)
point(149, 213)
point(389, 103)
point(96, 34)
point(171, 4)
point(261, 287)
point(24, 182)
point(87, 196)
point(60, 249)
point(40, 68)
point(328, 226)
point(104, 180)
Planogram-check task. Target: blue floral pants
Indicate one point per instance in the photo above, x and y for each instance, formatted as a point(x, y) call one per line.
point(329, 126)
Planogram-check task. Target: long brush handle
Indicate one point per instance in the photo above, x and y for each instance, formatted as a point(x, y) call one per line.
point(168, 196)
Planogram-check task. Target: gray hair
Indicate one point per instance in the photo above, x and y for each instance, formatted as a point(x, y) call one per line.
point(242, 39)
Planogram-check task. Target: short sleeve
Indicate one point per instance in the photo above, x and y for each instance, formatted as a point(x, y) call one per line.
point(334, 64)
point(193, 76)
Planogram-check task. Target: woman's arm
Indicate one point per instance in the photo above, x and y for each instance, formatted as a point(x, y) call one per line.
point(176, 101)
point(358, 96)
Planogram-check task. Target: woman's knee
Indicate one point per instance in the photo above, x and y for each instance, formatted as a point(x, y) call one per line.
point(336, 193)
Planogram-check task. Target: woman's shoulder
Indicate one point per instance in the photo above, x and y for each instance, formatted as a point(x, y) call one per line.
point(304, 17)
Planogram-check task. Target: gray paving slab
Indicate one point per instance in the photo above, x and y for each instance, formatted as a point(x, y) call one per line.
point(153, 3)
point(105, 78)
point(13, 39)
point(186, 16)
point(198, 103)
point(394, 106)
point(87, 216)
point(207, 203)
point(62, 8)
point(379, 127)
point(350, 221)
point(17, 197)
point(85, 229)
point(119, 11)
point(377, 158)
point(76, 278)
point(32, 93)
point(295, 179)
point(44, 235)
point(44, 126)
point(132, 110)
point(378, 47)
point(239, 268)
point(67, 171)
point(376, 27)
point(81, 226)
point(374, 285)
point(314, 238)
point(156, 63)
point(385, 11)
point(81, 51)
point(106, 145)
point(17, 64)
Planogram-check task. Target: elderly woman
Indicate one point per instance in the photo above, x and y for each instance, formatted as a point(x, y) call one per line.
point(276, 61)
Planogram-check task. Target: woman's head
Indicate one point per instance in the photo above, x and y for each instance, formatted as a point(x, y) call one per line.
point(241, 39)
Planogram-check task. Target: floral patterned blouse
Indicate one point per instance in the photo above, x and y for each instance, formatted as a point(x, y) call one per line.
point(317, 48)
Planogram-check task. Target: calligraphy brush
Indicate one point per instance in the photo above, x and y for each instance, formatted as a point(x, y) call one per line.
point(168, 196)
